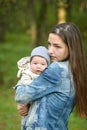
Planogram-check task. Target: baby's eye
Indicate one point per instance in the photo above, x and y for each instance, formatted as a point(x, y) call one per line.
point(43, 64)
point(35, 63)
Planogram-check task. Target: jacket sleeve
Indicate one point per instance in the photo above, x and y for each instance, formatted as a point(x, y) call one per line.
point(45, 84)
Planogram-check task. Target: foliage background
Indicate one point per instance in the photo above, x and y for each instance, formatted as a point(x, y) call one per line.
point(19, 22)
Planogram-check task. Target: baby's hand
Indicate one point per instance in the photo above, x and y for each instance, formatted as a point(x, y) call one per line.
point(23, 109)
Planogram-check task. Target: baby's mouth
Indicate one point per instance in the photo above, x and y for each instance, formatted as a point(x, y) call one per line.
point(38, 71)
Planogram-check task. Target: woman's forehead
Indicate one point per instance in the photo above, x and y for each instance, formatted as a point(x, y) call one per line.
point(55, 39)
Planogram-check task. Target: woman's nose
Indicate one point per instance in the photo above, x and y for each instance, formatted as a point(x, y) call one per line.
point(50, 50)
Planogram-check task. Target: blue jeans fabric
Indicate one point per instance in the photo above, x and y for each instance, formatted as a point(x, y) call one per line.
point(54, 94)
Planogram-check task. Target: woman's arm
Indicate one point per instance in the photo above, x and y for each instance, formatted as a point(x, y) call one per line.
point(45, 84)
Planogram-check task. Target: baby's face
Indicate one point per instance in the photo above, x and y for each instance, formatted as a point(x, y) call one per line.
point(38, 64)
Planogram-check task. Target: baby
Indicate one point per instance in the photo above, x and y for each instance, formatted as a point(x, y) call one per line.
point(29, 69)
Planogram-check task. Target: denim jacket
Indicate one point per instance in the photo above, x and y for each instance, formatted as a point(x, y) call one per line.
point(53, 97)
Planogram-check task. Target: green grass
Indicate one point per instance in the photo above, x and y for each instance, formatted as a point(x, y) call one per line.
point(77, 123)
point(9, 118)
point(15, 47)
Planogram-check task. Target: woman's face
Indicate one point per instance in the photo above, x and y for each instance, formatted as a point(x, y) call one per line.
point(58, 50)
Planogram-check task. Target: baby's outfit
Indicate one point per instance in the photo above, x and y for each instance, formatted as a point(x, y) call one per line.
point(27, 76)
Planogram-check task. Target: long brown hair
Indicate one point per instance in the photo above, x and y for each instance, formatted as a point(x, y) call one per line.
point(70, 34)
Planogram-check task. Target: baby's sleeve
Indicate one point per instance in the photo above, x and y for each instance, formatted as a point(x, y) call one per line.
point(22, 64)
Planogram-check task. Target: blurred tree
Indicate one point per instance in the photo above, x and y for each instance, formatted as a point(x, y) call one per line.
point(37, 17)
point(41, 22)
point(38, 20)
point(79, 16)
point(83, 5)
point(33, 21)
point(50, 16)
point(5, 7)
point(61, 11)
point(64, 10)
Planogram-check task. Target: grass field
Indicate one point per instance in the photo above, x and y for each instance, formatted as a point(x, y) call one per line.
point(15, 48)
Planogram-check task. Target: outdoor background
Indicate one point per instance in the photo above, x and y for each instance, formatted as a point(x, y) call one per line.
point(25, 24)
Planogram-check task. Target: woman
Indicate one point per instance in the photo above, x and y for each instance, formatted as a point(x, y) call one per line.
point(61, 86)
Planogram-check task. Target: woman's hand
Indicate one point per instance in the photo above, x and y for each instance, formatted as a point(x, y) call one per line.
point(23, 109)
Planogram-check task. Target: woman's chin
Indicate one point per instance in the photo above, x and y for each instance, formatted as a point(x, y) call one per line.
point(54, 60)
